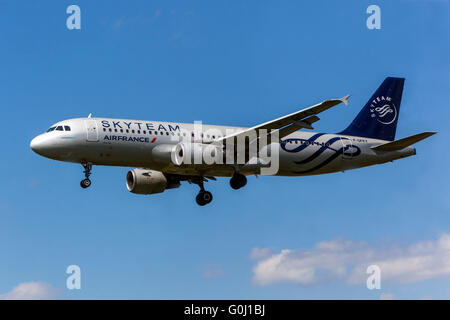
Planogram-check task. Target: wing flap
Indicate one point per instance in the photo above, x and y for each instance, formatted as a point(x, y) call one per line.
point(297, 125)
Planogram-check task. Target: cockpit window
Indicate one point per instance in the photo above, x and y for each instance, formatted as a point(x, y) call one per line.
point(51, 129)
point(59, 128)
point(66, 128)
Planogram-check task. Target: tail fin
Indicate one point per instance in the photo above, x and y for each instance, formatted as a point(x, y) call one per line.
point(378, 118)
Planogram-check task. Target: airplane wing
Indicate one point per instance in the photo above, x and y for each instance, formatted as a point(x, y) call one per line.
point(291, 122)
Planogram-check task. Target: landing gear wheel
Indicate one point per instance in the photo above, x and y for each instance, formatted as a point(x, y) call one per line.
point(87, 172)
point(86, 183)
point(238, 181)
point(203, 198)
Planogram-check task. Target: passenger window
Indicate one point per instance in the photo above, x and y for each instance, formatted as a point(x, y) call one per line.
point(66, 128)
point(132, 131)
point(162, 133)
point(59, 128)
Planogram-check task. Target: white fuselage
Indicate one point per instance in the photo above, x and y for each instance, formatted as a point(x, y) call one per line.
point(129, 143)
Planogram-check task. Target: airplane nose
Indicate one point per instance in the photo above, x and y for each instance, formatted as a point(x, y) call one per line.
point(34, 145)
point(40, 145)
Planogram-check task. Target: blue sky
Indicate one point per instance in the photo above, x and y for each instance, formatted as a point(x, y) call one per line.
point(231, 63)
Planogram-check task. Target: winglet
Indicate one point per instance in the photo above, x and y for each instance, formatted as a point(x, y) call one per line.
point(345, 99)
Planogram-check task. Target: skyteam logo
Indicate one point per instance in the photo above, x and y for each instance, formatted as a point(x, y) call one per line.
point(383, 109)
point(335, 144)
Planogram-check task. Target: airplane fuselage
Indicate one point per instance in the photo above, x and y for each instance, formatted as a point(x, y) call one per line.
point(129, 143)
point(167, 153)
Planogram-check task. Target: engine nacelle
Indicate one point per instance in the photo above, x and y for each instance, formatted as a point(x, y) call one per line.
point(168, 154)
point(198, 153)
point(145, 181)
point(184, 153)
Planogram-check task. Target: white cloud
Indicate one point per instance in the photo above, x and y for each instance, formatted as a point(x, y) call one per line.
point(31, 291)
point(258, 254)
point(387, 296)
point(348, 261)
point(212, 271)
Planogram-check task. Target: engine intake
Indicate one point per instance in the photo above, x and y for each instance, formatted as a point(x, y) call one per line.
point(145, 181)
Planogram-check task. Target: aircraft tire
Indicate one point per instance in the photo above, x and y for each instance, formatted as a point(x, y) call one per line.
point(85, 183)
point(238, 181)
point(203, 198)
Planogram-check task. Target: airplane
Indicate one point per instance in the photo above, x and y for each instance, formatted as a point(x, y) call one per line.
point(159, 150)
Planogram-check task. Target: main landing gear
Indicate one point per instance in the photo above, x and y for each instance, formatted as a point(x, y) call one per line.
point(203, 197)
point(238, 181)
point(85, 183)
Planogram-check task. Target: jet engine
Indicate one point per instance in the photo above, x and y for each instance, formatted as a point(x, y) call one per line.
point(185, 153)
point(145, 181)
point(167, 154)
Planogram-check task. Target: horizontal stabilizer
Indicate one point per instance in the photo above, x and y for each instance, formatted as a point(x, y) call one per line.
point(403, 143)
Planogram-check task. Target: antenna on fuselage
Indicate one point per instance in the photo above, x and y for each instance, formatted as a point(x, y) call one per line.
point(90, 115)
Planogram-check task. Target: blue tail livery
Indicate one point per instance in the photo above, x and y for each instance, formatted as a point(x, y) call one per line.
point(378, 118)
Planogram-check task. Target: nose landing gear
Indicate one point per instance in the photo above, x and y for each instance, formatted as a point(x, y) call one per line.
point(85, 183)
